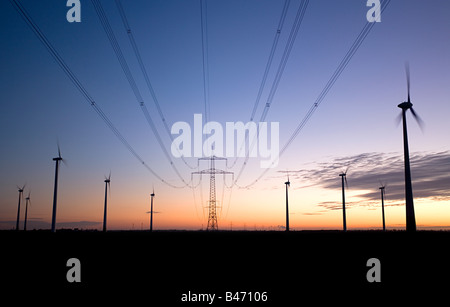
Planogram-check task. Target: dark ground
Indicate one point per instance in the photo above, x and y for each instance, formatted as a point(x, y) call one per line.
point(293, 268)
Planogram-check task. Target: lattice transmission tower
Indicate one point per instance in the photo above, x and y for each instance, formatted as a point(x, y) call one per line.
point(212, 203)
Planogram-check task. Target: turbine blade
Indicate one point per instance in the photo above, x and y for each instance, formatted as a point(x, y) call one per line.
point(346, 170)
point(419, 121)
point(346, 183)
point(398, 119)
point(59, 149)
point(407, 79)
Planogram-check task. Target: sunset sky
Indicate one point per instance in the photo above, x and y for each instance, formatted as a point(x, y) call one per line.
point(354, 125)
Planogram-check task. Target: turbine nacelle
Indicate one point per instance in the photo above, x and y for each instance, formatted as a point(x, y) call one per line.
point(59, 158)
point(288, 182)
point(405, 105)
point(108, 179)
point(20, 189)
point(344, 176)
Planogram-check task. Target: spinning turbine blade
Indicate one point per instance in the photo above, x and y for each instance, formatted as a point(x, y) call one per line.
point(59, 149)
point(398, 119)
point(419, 121)
point(407, 79)
point(59, 155)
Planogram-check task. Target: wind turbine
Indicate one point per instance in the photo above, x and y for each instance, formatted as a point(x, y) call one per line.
point(343, 176)
point(405, 106)
point(57, 160)
point(28, 201)
point(151, 210)
point(288, 184)
point(107, 183)
point(382, 189)
point(20, 189)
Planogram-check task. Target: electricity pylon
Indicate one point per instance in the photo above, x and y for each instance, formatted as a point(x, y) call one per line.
point(212, 204)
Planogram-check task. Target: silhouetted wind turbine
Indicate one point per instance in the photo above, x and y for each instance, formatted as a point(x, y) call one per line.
point(107, 183)
point(151, 210)
point(382, 189)
point(343, 176)
point(410, 216)
point(27, 202)
point(57, 160)
point(288, 184)
point(20, 189)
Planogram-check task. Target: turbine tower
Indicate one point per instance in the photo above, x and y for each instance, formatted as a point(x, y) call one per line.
point(107, 183)
point(20, 189)
point(343, 176)
point(27, 201)
point(57, 160)
point(151, 210)
point(288, 184)
point(405, 106)
point(383, 186)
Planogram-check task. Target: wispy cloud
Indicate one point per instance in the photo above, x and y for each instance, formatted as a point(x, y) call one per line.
point(430, 176)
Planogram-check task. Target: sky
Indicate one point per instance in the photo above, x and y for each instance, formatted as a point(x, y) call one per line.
point(354, 126)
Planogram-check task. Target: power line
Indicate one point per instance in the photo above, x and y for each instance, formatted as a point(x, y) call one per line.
point(59, 60)
point(267, 69)
point(281, 66)
point(144, 72)
point(342, 65)
point(204, 29)
point(269, 61)
point(287, 51)
point(117, 50)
